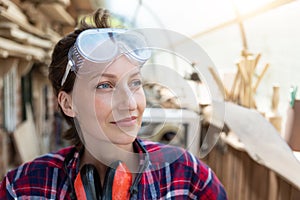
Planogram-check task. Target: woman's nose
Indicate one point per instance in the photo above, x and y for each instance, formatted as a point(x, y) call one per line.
point(125, 99)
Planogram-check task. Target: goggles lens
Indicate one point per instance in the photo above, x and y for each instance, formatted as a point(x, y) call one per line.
point(103, 45)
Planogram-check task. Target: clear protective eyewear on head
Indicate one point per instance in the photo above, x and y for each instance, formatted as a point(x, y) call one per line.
point(105, 44)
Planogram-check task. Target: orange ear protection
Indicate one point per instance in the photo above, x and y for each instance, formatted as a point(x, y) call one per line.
point(116, 184)
point(117, 181)
point(87, 183)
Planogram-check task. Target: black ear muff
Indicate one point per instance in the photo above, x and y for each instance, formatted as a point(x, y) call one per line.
point(87, 184)
point(117, 182)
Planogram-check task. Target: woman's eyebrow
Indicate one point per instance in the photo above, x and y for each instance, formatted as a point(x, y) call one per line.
point(108, 75)
point(113, 76)
point(135, 74)
point(99, 75)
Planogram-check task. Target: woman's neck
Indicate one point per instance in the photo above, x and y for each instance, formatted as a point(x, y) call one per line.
point(109, 154)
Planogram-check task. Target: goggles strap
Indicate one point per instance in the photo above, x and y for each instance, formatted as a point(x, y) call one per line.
point(68, 68)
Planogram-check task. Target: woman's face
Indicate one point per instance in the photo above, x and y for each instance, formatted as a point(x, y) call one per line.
point(109, 101)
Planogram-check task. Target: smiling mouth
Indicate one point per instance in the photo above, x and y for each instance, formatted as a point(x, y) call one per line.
point(126, 122)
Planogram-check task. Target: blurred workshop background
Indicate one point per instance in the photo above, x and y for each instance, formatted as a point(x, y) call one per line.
point(254, 45)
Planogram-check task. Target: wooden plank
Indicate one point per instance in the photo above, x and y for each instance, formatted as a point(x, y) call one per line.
point(10, 7)
point(220, 84)
point(24, 67)
point(295, 194)
point(273, 186)
point(62, 2)
point(3, 153)
point(264, 173)
point(263, 9)
point(232, 95)
point(228, 173)
point(242, 71)
point(54, 36)
point(238, 174)
point(18, 35)
point(254, 130)
point(26, 138)
point(252, 193)
point(57, 13)
point(284, 191)
point(232, 139)
point(4, 53)
point(232, 173)
point(7, 64)
point(84, 6)
point(245, 179)
point(212, 159)
point(219, 163)
point(260, 181)
point(10, 12)
point(29, 52)
point(260, 76)
point(226, 168)
point(236, 171)
point(251, 67)
point(247, 173)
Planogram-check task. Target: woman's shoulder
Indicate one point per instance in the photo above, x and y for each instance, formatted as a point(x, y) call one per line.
point(42, 163)
point(42, 177)
point(174, 155)
point(187, 169)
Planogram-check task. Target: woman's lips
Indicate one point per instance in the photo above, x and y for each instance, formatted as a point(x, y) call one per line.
point(126, 122)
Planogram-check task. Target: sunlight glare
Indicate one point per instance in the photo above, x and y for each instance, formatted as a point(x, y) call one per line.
point(246, 6)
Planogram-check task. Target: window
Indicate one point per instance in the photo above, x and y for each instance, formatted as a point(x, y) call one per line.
point(26, 85)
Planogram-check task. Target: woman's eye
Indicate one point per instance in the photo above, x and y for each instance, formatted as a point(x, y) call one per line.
point(104, 86)
point(136, 83)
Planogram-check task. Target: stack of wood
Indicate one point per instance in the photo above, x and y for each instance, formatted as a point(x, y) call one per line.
point(245, 84)
point(160, 96)
point(29, 29)
point(24, 35)
point(246, 80)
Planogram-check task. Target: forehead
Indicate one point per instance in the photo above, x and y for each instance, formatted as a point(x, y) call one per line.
point(121, 66)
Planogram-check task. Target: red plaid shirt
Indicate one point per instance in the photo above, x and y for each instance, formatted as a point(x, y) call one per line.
point(172, 173)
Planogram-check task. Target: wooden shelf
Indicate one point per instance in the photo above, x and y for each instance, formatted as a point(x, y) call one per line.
point(12, 31)
point(57, 12)
point(19, 50)
point(11, 13)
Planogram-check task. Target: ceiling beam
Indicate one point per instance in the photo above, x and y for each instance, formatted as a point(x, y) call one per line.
point(243, 17)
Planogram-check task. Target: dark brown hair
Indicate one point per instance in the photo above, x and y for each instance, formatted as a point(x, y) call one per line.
point(99, 19)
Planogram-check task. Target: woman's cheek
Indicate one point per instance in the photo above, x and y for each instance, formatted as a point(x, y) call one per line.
point(142, 99)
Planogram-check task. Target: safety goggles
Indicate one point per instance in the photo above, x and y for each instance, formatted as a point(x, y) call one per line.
point(104, 45)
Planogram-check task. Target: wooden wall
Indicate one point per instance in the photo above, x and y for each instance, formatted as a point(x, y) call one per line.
point(244, 179)
point(26, 43)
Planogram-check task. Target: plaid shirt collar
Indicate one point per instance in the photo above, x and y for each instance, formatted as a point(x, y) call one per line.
point(72, 162)
point(184, 177)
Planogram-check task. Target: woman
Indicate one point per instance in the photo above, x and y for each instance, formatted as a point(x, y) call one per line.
point(95, 73)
